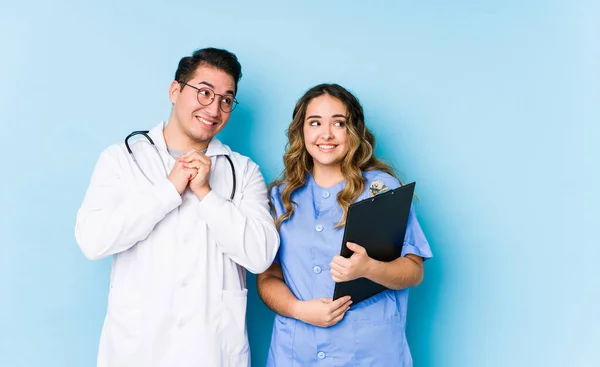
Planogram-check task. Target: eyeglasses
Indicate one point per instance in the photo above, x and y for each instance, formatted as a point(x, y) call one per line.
point(206, 96)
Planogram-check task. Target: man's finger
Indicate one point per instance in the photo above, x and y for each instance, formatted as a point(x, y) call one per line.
point(192, 164)
point(188, 154)
point(196, 154)
point(190, 172)
point(201, 158)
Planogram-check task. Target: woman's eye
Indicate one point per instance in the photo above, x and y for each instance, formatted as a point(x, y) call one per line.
point(314, 123)
point(339, 123)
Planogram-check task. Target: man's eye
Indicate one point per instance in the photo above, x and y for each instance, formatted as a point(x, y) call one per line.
point(227, 100)
point(204, 93)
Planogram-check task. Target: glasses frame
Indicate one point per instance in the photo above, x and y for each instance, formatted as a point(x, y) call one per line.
point(233, 106)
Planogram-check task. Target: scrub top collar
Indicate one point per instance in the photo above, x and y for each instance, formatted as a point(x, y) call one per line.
point(324, 198)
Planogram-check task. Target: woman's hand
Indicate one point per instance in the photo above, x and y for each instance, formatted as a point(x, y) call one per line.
point(322, 312)
point(356, 266)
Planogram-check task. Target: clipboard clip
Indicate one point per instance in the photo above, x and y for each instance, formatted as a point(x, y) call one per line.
point(373, 198)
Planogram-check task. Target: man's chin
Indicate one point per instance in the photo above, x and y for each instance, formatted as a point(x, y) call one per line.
point(202, 138)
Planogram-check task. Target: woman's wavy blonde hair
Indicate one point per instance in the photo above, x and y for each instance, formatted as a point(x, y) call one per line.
point(298, 163)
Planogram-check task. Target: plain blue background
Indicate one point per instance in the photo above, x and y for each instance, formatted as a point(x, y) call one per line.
point(491, 106)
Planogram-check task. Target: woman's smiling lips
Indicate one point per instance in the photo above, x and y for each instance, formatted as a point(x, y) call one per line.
point(326, 148)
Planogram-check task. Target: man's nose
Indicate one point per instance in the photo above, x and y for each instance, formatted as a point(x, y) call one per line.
point(213, 108)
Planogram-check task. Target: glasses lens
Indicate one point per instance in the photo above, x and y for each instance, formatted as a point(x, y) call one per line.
point(233, 106)
point(227, 103)
point(205, 96)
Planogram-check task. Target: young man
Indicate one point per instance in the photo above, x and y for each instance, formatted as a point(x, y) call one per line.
point(183, 217)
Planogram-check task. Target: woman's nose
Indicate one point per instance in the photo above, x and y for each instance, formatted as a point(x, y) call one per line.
point(327, 133)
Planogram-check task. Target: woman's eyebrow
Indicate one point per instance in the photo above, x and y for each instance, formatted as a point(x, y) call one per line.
point(318, 117)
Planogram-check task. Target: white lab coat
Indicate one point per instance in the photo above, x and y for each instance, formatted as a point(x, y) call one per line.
point(178, 286)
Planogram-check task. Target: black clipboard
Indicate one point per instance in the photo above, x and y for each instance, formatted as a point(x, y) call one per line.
point(379, 225)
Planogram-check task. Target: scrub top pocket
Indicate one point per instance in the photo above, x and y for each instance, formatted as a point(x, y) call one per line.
point(377, 342)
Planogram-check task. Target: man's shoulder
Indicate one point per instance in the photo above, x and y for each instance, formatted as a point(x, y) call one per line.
point(115, 151)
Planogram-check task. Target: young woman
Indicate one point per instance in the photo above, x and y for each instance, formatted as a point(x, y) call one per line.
point(329, 164)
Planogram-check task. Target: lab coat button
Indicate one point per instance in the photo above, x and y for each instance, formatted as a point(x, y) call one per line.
point(181, 324)
point(321, 355)
point(317, 269)
point(319, 227)
point(326, 194)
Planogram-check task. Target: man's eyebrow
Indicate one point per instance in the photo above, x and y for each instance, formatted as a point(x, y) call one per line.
point(207, 84)
point(213, 87)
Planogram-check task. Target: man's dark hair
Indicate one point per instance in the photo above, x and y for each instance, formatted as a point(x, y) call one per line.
point(214, 57)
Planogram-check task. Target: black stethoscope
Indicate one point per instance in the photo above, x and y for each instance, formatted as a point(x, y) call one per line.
point(145, 134)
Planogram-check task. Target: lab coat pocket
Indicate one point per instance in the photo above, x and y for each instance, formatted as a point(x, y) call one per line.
point(124, 320)
point(232, 327)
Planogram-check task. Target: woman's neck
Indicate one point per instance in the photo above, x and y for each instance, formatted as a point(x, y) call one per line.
point(327, 176)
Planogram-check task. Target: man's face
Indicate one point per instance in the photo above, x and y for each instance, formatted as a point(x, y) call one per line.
point(198, 122)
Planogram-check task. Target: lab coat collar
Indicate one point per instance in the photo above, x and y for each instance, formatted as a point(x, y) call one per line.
point(215, 147)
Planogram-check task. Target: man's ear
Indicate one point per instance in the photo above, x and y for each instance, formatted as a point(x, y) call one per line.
point(174, 91)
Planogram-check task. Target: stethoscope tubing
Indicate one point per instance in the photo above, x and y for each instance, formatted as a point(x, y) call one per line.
point(145, 134)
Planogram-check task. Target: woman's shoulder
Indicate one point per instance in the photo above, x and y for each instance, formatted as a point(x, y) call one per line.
point(276, 189)
point(385, 177)
point(379, 182)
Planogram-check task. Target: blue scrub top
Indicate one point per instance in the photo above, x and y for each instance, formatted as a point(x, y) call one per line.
point(372, 333)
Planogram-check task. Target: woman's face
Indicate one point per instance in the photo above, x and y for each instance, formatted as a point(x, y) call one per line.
point(325, 132)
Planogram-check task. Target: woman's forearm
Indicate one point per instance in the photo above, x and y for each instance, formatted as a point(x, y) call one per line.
point(276, 294)
point(401, 273)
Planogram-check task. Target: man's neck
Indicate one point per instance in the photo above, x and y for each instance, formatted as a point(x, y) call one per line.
point(177, 140)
